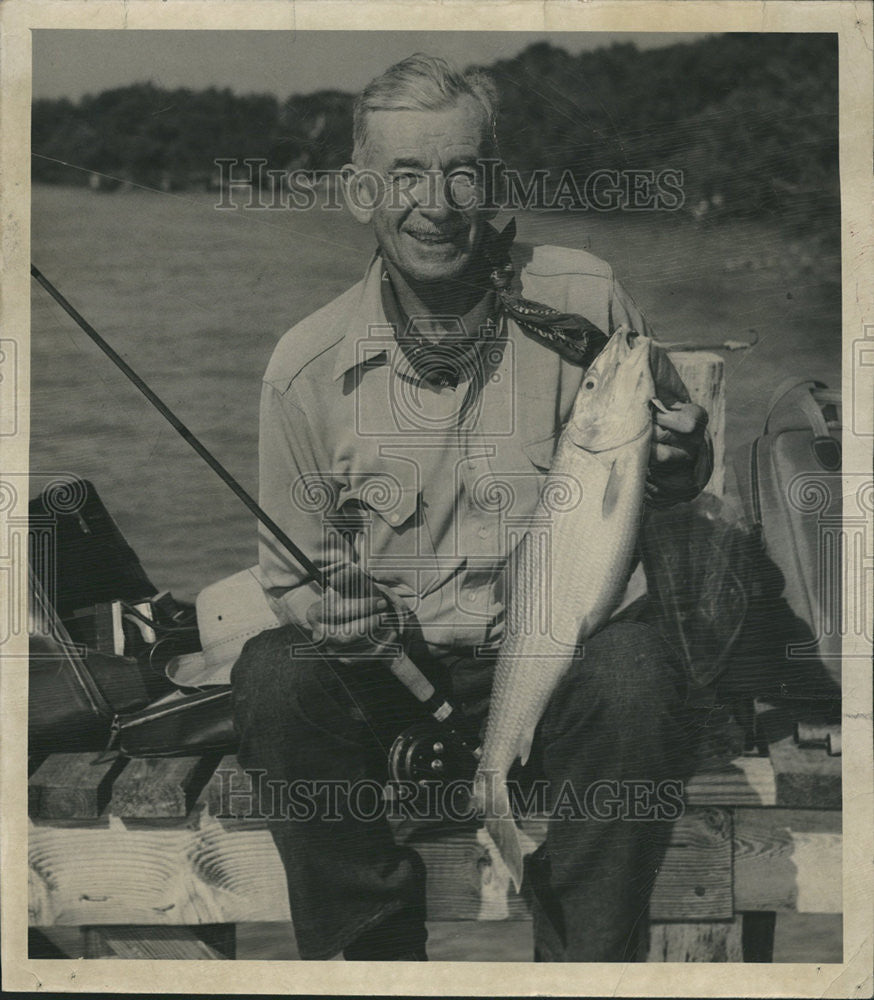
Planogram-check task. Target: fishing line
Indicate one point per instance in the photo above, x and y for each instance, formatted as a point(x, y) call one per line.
point(165, 411)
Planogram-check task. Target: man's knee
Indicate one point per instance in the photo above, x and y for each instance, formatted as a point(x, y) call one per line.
point(619, 710)
point(266, 680)
point(626, 673)
point(260, 665)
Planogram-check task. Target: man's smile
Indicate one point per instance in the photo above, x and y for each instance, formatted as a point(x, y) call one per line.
point(434, 237)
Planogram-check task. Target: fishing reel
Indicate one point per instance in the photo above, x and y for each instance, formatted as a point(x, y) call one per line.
point(433, 751)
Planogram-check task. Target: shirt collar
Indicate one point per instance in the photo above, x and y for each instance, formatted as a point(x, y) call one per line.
point(366, 321)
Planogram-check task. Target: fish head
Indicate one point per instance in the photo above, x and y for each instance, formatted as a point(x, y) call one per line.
point(612, 405)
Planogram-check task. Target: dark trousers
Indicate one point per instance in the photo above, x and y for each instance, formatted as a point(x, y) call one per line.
point(616, 722)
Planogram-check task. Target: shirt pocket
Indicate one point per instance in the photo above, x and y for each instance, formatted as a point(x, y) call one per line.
point(512, 487)
point(384, 520)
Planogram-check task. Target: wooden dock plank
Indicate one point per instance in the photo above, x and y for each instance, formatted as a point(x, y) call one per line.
point(106, 875)
point(229, 795)
point(238, 873)
point(119, 874)
point(150, 942)
point(743, 781)
point(805, 777)
point(468, 881)
point(717, 941)
point(695, 879)
point(162, 787)
point(740, 780)
point(788, 859)
point(72, 786)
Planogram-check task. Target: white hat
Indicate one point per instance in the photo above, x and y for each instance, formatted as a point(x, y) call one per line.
point(229, 612)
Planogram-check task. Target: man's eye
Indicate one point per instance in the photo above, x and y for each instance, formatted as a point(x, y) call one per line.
point(464, 177)
point(407, 178)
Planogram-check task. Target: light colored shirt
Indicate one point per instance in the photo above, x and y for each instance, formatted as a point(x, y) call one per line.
point(362, 461)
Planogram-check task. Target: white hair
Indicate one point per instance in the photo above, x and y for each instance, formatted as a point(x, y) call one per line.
point(422, 83)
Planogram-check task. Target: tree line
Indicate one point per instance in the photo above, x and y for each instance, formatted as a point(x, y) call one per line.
point(750, 120)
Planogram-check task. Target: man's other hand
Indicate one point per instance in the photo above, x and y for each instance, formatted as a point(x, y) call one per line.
point(352, 618)
point(678, 438)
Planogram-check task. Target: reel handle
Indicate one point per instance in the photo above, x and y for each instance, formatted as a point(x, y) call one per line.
point(429, 750)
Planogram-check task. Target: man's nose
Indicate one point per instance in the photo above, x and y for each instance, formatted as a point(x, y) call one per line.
point(436, 203)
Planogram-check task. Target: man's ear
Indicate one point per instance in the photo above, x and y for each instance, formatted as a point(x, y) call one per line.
point(363, 189)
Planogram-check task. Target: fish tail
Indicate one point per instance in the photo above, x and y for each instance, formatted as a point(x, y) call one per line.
point(505, 834)
point(491, 799)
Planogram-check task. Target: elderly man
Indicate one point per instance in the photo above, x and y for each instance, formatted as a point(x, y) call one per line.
point(406, 429)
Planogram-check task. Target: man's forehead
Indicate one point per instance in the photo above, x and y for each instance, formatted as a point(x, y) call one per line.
point(460, 127)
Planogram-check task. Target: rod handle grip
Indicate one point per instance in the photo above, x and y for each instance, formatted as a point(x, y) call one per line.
point(412, 678)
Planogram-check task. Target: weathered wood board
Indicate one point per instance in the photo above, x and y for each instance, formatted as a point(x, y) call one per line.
point(116, 874)
point(153, 943)
point(715, 941)
point(160, 787)
point(72, 785)
point(226, 790)
point(787, 859)
point(805, 776)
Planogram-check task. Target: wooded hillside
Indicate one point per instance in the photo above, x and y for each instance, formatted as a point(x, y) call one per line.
point(750, 119)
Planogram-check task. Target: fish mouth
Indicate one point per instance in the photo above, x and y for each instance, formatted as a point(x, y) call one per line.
point(629, 341)
point(623, 343)
point(613, 406)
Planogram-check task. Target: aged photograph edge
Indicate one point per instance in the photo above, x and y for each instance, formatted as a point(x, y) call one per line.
point(853, 23)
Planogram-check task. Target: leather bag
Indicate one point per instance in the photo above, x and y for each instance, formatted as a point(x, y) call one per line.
point(184, 723)
point(796, 459)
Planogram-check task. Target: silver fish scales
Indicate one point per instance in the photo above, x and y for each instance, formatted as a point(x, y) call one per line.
point(570, 569)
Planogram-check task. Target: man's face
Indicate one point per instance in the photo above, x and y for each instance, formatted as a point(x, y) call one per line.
point(428, 223)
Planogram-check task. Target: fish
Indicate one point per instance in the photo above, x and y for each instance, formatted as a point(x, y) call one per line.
point(570, 569)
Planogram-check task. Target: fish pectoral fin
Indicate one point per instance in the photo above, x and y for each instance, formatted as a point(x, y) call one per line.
point(612, 491)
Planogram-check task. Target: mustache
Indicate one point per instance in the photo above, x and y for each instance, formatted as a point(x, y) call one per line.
point(419, 231)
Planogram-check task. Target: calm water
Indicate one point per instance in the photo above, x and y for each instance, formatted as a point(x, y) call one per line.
point(195, 299)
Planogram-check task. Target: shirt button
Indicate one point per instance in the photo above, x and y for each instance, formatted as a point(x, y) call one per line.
point(394, 518)
point(471, 598)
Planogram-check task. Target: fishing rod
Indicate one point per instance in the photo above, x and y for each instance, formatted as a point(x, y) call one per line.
point(407, 756)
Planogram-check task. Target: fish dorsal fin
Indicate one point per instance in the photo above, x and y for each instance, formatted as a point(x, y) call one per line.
point(612, 491)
